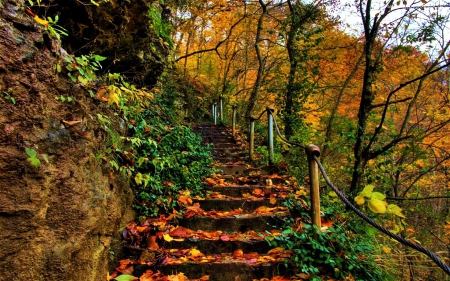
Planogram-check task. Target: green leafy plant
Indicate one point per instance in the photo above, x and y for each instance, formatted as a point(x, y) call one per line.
point(32, 157)
point(83, 68)
point(9, 97)
point(64, 99)
point(168, 161)
point(54, 29)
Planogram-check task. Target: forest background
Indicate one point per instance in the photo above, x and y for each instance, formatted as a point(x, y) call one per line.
point(370, 87)
point(371, 90)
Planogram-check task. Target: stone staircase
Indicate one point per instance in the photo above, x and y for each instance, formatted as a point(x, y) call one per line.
point(223, 234)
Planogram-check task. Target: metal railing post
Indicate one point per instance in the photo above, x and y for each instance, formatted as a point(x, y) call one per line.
point(251, 138)
point(234, 121)
point(270, 112)
point(311, 151)
point(215, 113)
point(221, 110)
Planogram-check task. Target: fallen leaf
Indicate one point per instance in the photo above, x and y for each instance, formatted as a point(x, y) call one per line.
point(180, 232)
point(125, 277)
point(273, 200)
point(152, 244)
point(225, 238)
point(71, 123)
point(238, 253)
point(257, 191)
point(167, 237)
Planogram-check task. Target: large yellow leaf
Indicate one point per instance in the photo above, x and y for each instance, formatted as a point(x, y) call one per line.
point(377, 206)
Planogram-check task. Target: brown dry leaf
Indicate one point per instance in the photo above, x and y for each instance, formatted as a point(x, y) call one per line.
point(152, 243)
point(71, 123)
point(303, 276)
point(180, 232)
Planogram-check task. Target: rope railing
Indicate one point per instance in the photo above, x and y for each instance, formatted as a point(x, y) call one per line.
point(313, 152)
point(385, 231)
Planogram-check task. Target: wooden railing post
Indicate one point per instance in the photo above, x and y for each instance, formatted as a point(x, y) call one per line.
point(251, 138)
point(234, 121)
point(270, 112)
point(311, 151)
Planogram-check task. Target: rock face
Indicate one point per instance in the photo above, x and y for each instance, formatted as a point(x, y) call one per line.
point(130, 33)
point(59, 221)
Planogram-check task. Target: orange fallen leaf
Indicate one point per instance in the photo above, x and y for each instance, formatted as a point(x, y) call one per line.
point(152, 243)
point(238, 253)
point(258, 191)
point(273, 200)
point(210, 182)
point(180, 232)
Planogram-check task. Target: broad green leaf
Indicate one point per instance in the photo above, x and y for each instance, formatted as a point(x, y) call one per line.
point(98, 58)
point(30, 152)
point(378, 195)
point(377, 206)
point(34, 161)
point(125, 277)
point(367, 191)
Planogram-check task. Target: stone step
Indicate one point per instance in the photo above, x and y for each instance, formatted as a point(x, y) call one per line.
point(235, 223)
point(228, 204)
point(225, 270)
point(211, 247)
point(241, 191)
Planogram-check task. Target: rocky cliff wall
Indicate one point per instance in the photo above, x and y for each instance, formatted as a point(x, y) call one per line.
point(58, 221)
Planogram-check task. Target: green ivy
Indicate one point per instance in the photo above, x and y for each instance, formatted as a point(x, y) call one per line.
point(169, 160)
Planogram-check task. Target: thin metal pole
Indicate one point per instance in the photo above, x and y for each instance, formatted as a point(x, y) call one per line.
point(234, 121)
point(313, 150)
point(215, 113)
point(221, 110)
point(270, 111)
point(252, 137)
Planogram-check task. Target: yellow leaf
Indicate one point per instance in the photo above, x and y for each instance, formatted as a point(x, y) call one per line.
point(386, 249)
point(113, 95)
point(359, 200)
point(378, 195)
point(167, 237)
point(273, 200)
point(395, 210)
point(377, 206)
point(40, 21)
point(367, 191)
